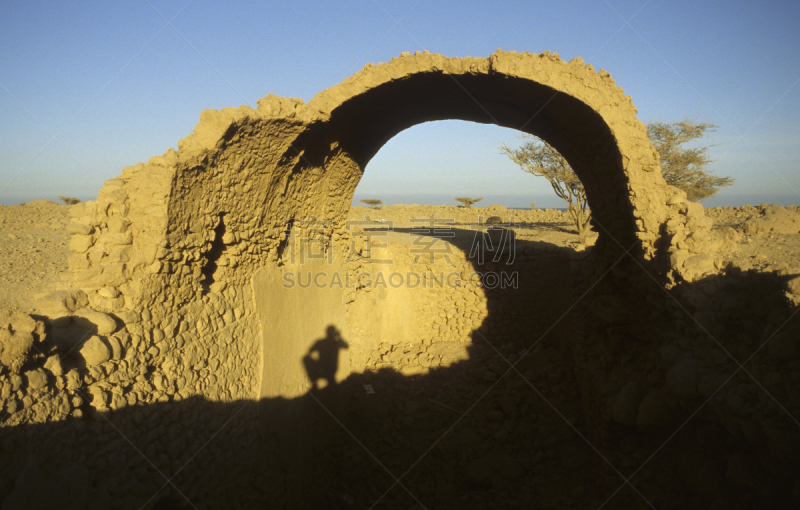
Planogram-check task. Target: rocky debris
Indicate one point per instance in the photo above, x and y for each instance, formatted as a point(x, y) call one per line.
point(31, 387)
point(698, 265)
point(792, 286)
point(37, 379)
point(503, 446)
point(19, 333)
point(773, 219)
point(66, 334)
point(95, 351)
point(54, 366)
point(63, 302)
point(14, 349)
point(99, 397)
point(98, 322)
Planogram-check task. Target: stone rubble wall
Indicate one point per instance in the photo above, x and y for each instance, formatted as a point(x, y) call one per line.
point(158, 305)
point(147, 249)
point(436, 302)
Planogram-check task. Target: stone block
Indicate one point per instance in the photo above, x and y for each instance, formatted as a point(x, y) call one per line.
point(80, 243)
point(103, 324)
point(95, 351)
point(37, 379)
point(79, 229)
point(61, 302)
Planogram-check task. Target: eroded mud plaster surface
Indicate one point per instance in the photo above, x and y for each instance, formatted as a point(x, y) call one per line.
point(180, 237)
point(176, 284)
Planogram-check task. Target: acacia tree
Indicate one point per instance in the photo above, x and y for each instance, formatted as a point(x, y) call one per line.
point(685, 168)
point(468, 202)
point(69, 200)
point(541, 159)
point(372, 202)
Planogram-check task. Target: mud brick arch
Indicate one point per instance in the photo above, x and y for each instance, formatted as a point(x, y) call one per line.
point(188, 249)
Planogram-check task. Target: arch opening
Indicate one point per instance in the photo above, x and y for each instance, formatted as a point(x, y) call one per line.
point(581, 114)
point(360, 126)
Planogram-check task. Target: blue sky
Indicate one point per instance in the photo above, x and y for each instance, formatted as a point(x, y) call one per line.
point(87, 88)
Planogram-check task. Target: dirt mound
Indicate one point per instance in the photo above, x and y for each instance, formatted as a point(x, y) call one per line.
point(779, 220)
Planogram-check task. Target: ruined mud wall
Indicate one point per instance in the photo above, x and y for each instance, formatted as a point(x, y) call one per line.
point(169, 247)
point(415, 299)
point(176, 275)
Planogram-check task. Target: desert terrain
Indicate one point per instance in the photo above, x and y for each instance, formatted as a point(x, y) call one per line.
point(33, 252)
point(484, 400)
point(34, 238)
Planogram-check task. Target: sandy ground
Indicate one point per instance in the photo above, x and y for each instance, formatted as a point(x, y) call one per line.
point(510, 434)
point(34, 242)
point(33, 251)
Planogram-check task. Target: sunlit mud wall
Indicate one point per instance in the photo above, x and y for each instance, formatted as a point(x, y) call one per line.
point(176, 285)
point(182, 249)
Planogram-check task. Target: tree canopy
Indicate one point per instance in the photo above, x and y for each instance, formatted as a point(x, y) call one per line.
point(682, 167)
point(541, 159)
point(468, 202)
point(372, 202)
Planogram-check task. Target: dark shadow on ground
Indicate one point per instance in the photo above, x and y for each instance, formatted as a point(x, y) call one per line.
point(476, 434)
point(322, 360)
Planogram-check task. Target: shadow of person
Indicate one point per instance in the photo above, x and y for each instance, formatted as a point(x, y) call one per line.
point(322, 359)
